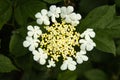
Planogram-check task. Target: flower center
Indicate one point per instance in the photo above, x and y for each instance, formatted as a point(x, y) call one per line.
point(60, 40)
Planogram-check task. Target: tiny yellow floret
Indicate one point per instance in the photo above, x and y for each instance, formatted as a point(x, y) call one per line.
point(60, 40)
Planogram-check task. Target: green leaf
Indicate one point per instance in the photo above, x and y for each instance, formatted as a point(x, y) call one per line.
point(0, 43)
point(113, 29)
point(99, 17)
point(21, 18)
point(98, 56)
point(27, 9)
point(16, 43)
point(67, 75)
point(117, 3)
point(85, 66)
point(104, 42)
point(5, 11)
point(118, 47)
point(103, 21)
point(5, 64)
point(87, 5)
point(96, 74)
point(25, 62)
point(52, 1)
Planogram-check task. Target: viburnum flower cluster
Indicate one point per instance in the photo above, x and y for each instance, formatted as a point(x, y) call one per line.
point(60, 42)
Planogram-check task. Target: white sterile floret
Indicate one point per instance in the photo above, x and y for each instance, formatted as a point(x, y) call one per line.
point(75, 19)
point(40, 56)
point(69, 16)
point(42, 17)
point(51, 63)
point(54, 12)
point(34, 31)
point(89, 33)
point(66, 12)
point(31, 43)
point(87, 44)
point(80, 57)
point(69, 63)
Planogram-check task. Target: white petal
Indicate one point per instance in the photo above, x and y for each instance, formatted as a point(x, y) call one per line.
point(35, 52)
point(58, 10)
point(26, 44)
point(84, 57)
point(92, 34)
point(38, 15)
point(79, 60)
point(51, 63)
point(45, 56)
point(73, 16)
point(53, 19)
point(36, 28)
point(82, 47)
point(69, 59)
point(70, 9)
point(63, 66)
point(44, 12)
point(39, 32)
point(30, 27)
point(82, 52)
point(50, 13)
point(48, 66)
point(78, 16)
point(30, 33)
point(31, 48)
point(40, 50)
point(53, 8)
point(36, 57)
point(39, 21)
point(75, 23)
point(42, 61)
point(71, 67)
point(67, 19)
point(87, 37)
point(89, 47)
point(46, 22)
point(82, 41)
point(63, 10)
point(73, 63)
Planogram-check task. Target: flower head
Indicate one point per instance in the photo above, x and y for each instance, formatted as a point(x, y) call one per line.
point(60, 40)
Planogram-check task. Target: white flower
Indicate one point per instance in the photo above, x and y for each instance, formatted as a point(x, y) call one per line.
point(80, 57)
point(69, 63)
point(89, 33)
point(87, 44)
point(34, 31)
point(51, 63)
point(66, 13)
point(31, 43)
point(42, 17)
point(40, 56)
point(54, 12)
point(69, 16)
point(75, 19)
